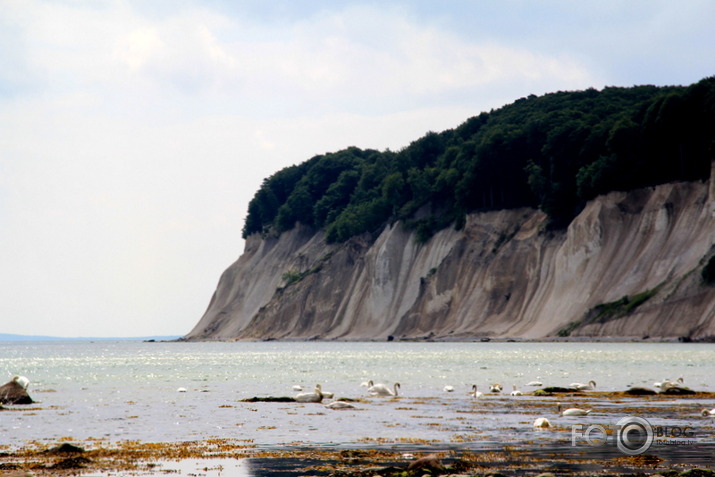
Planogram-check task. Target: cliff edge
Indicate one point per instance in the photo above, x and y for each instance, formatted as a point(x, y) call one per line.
point(628, 266)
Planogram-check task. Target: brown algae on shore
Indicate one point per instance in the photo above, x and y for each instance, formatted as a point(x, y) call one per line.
point(373, 455)
point(212, 456)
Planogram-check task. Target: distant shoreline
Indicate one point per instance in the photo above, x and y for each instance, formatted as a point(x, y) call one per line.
point(475, 339)
point(5, 337)
point(13, 337)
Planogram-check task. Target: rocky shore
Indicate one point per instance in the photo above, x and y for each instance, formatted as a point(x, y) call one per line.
point(148, 459)
point(555, 454)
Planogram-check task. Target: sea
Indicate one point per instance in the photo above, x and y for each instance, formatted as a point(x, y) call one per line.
point(156, 392)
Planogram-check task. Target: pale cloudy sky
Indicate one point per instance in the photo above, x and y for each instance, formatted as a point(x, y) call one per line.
point(134, 133)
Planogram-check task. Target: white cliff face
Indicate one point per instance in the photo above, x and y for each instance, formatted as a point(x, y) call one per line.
point(504, 275)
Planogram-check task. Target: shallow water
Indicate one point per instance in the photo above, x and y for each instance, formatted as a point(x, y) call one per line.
point(116, 391)
point(195, 467)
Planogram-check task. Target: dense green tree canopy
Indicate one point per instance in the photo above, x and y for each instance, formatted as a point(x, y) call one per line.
point(554, 152)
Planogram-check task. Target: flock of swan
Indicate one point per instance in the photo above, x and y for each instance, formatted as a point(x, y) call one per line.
point(383, 390)
point(379, 389)
point(541, 422)
point(496, 388)
point(667, 383)
point(317, 395)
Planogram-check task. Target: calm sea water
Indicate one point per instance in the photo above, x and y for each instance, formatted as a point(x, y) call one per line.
point(124, 390)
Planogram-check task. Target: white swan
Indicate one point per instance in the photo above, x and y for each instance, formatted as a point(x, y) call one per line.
point(515, 392)
point(382, 390)
point(181, 390)
point(340, 405)
point(542, 423)
point(366, 384)
point(475, 393)
point(448, 389)
point(297, 387)
point(22, 381)
point(534, 383)
point(495, 388)
point(668, 383)
point(572, 411)
point(708, 412)
point(676, 388)
point(583, 387)
point(315, 396)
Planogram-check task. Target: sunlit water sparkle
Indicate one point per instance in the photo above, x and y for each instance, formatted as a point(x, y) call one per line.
point(126, 390)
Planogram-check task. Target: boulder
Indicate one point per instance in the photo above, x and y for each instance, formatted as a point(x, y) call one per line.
point(677, 390)
point(640, 391)
point(13, 392)
point(428, 463)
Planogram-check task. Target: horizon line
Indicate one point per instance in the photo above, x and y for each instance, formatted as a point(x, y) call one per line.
point(22, 337)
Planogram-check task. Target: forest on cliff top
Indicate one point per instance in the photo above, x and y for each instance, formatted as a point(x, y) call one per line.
point(554, 152)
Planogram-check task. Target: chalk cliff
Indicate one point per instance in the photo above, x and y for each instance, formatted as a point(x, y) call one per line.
point(629, 266)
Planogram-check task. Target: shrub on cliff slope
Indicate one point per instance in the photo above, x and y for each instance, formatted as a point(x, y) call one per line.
point(554, 151)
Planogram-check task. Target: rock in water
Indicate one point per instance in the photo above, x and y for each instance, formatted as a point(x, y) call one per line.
point(14, 393)
point(639, 391)
point(429, 462)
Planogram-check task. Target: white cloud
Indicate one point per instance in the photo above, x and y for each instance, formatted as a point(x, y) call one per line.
point(359, 57)
point(138, 47)
point(131, 143)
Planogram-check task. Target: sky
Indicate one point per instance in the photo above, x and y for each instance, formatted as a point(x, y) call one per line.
point(133, 134)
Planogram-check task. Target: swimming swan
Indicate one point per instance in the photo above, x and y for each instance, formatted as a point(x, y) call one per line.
point(382, 390)
point(572, 411)
point(495, 388)
point(340, 405)
point(668, 387)
point(448, 388)
point(583, 387)
point(475, 393)
point(668, 383)
point(534, 383)
point(315, 396)
point(542, 423)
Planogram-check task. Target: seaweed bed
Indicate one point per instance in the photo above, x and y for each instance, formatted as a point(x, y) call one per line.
point(376, 457)
point(134, 458)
